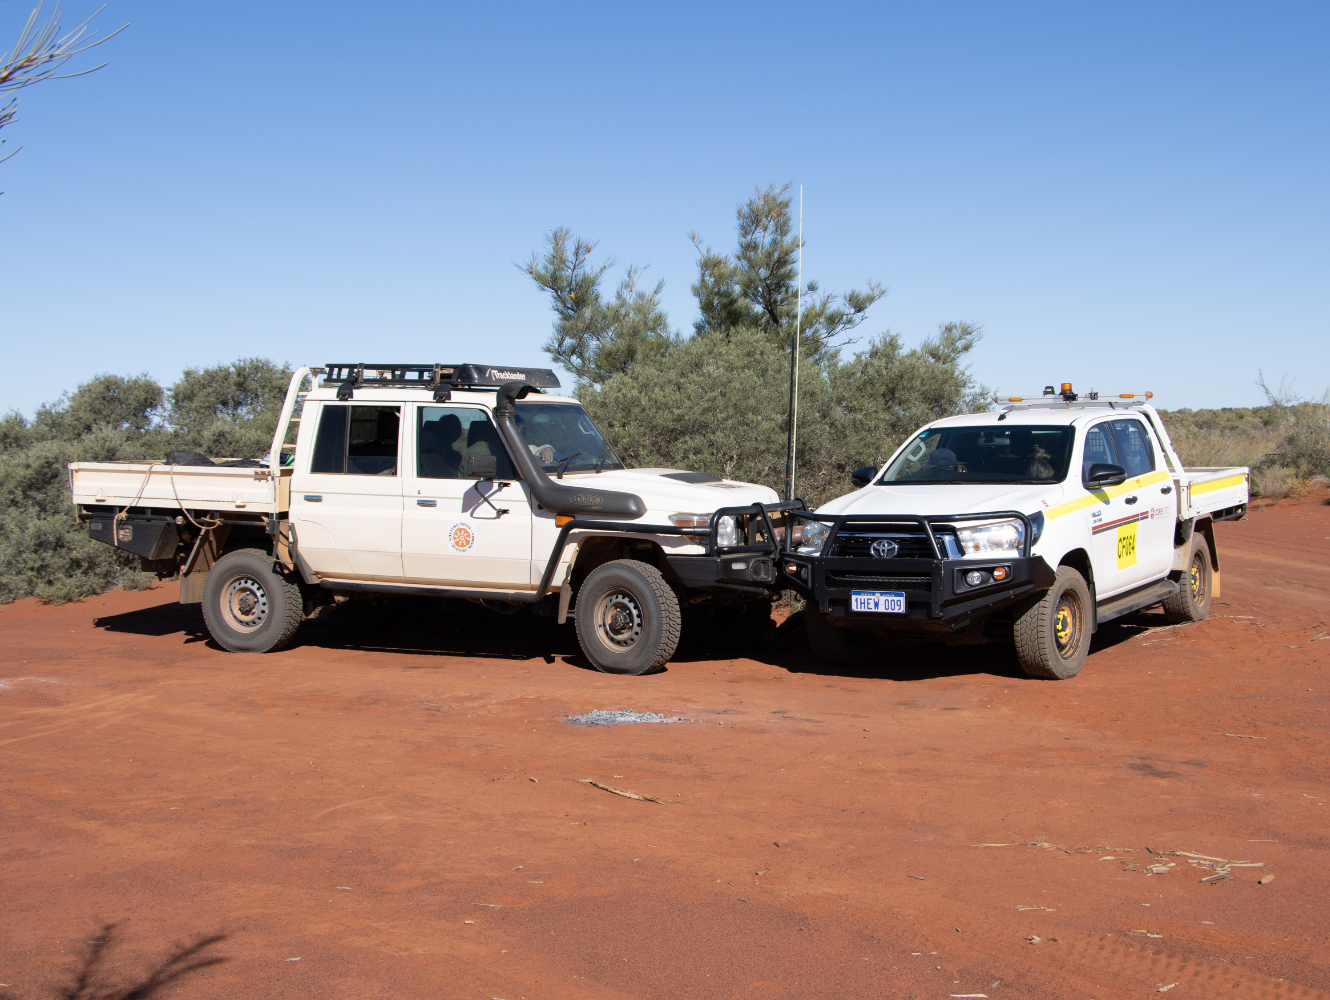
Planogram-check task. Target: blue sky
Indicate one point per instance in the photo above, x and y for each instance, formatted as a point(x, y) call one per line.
point(1126, 196)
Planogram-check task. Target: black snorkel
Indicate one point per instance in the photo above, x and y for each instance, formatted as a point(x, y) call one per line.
point(551, 495)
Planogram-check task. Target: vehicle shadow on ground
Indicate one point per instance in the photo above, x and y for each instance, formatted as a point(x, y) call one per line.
point(97, 978)
point(917, 661)
point(434, 627)
point(423, 627)
point(161, 620)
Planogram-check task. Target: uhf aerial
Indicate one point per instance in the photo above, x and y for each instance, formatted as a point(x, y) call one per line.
point(794, 361)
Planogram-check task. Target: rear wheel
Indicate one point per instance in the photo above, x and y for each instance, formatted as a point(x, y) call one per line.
point(1192, 602)
point(248, 606)
point(628, 619)
point(1053, 634)
point(839, 647)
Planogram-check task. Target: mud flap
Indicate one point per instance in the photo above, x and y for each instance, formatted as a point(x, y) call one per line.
point(207, 550)
point(566, 591)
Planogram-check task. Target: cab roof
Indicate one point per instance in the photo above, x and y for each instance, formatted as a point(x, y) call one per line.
point(1063, 413)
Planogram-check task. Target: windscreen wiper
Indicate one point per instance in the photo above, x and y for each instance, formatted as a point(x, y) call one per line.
point(565, 462)
point(600, 458)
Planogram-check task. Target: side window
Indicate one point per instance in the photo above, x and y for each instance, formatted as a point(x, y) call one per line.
point(447, 435)
point(1098, 449)
point(357, 441)
point(1134, 446)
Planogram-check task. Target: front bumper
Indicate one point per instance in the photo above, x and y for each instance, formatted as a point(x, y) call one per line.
point(746, 573)
point(935, 589)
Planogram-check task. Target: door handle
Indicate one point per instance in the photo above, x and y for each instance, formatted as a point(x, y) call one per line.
point(427, 503)
point(313, 498)
point(1131, 500)
point(1166, 490)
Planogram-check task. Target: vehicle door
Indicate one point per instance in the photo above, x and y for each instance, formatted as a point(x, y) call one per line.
point(460, 526)
point(1112, 520)
point(1150, 495)
point(346, 506)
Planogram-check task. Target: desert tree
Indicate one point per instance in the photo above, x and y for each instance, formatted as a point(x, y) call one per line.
point(756, 287)
point(42, 53)
point(596, 338)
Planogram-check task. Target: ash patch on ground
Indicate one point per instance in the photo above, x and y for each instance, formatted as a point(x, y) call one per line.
point(619, 717)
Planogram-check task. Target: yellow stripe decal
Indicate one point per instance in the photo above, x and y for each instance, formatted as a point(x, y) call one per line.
point(1103, 496)
point(1218, 484)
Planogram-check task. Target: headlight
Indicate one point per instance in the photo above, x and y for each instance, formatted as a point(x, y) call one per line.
point(814, 537)
point(1000, 538)
point(727, 530)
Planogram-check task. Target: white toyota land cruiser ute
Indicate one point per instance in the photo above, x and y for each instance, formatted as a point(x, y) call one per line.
point(455, 481)
point(1034, 524)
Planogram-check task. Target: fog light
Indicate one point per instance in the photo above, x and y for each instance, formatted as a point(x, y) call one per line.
point(1000, 573)
point(974, 578)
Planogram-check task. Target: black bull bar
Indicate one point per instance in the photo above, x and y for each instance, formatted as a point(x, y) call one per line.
point(935, 586)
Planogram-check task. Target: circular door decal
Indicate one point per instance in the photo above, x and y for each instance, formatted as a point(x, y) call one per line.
point(461, 536)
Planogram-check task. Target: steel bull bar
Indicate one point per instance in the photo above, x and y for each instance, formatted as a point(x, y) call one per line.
point(751, 566)
point(934, 582)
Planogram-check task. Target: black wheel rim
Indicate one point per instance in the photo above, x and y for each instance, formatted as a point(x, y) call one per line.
point(1068, 620)
point(618, 621)
point(245, 604)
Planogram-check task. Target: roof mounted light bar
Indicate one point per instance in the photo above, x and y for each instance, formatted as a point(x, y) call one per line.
point(1066, 397)
point(440, 378)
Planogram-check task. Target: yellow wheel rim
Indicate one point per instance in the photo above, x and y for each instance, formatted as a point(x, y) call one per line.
point(1067, 625)
point(1063, 627)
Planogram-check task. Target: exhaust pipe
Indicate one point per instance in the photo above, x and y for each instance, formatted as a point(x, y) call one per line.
point(551, 495)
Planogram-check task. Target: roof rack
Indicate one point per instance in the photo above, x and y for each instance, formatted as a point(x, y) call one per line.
point(434, 376)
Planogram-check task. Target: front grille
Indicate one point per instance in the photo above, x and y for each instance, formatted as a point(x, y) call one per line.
point(851, 581)
point(856, 539)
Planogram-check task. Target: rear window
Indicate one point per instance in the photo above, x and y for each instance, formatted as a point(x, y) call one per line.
point(357, 441)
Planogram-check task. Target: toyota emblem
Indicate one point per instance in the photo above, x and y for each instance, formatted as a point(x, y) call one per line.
point(884, 548)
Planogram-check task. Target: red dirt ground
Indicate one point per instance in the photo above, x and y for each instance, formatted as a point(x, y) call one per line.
point(397, 805)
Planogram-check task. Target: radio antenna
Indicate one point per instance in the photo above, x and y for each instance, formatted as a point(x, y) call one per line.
point(794, 360)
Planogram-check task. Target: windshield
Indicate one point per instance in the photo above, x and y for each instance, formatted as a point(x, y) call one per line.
point(1005, 455)
point(562, 437)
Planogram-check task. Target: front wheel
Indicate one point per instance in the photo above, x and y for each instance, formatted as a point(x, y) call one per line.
point(1053, 634)
point(249, 608)
point(1192, 602)
point(628, 619)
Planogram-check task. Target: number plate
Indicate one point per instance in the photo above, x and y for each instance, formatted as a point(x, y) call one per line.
point(890, 602)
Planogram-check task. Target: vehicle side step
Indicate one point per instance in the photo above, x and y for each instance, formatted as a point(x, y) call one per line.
point(1125, 604)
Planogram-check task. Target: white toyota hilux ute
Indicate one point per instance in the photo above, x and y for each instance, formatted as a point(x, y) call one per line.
point(453, 481)
point(1035, 524)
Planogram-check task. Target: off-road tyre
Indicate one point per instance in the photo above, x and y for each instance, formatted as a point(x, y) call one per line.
point(1053, 633)
point(840, 647)
point(1192, 602)
point(248, 605)
point(628, 619)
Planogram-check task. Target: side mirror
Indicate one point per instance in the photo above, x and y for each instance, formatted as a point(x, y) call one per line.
point(1101, 474)
point(864, 475)
point(481, 466)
